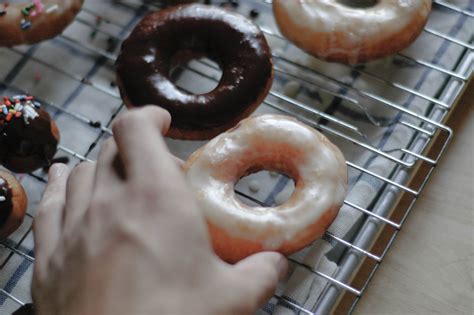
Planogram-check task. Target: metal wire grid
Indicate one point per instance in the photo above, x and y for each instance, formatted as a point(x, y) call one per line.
point(427, 128)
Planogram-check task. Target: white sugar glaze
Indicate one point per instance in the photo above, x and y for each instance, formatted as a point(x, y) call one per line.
point(328, 28)
point(330, 16)
point(320, 167)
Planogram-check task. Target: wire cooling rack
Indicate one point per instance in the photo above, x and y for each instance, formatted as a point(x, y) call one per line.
point(73, 76)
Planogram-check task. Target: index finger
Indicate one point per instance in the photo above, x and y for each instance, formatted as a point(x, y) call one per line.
point(139, 139)
point(47, 226)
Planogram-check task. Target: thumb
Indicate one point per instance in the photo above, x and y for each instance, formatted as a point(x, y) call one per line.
point(260, 274)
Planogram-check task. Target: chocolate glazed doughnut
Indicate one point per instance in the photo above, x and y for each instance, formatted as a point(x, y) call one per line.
point(28, 136)
point(13, 203)
point(165, 38)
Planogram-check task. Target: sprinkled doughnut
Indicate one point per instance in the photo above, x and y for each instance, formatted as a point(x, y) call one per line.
point(31, 21)
point(351, 31)
point(13, 203)
point(274, 143)
point(28, 136)
point(166, 38)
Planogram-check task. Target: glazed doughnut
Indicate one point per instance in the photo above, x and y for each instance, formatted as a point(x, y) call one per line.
point(31, 21)
point(13, 202)
point(164, 39)
point(273, 143)
point(28, 136)
point(336, 30)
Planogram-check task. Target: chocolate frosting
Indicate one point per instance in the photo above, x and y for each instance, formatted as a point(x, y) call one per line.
point(234, 42)
point(6, 203)
point(26, 145)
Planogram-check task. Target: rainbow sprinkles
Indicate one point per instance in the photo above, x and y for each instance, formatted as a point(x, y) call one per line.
point(18, 107)
point(29, 12)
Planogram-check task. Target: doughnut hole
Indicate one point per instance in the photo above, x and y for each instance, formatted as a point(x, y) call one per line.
point(185, 69)
point(256, 184)
point(358, 4)
point(271, 165)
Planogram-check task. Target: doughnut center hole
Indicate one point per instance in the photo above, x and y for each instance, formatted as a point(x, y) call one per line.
point(194, 73)
point(358, 4)
point(264, 189)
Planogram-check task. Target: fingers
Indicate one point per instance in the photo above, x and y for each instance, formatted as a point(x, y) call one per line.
point(260, 274)
point(138, 135)
point(108, 170)
point(80, 186)
point(48, 222)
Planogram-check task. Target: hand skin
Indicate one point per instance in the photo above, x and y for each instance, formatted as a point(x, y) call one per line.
point(134, 241)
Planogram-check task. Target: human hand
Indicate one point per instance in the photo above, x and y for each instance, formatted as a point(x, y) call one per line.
point(124, 236)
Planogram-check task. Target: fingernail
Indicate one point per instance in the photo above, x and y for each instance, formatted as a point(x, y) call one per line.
point(56, 171)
